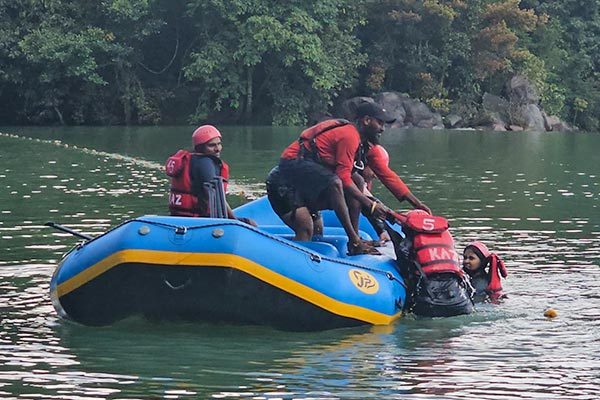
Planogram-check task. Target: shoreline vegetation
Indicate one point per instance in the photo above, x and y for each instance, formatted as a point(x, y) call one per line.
point(483, 64)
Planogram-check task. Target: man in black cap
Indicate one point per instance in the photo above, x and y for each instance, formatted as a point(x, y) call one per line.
point(315, 173)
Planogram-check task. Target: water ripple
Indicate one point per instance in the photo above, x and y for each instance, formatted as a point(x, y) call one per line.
point(541, 214)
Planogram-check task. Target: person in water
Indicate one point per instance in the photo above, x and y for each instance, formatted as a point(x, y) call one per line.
point(376, 165)
point(189, 172)
point(315, 173)
point(485, 270)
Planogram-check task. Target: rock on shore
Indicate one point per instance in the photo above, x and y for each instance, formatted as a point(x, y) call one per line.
point(518, 110)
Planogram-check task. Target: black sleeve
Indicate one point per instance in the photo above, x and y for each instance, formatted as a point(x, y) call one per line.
point(202, 169)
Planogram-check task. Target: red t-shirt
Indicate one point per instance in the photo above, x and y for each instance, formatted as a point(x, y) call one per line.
point(377, 160)
point(337, 148)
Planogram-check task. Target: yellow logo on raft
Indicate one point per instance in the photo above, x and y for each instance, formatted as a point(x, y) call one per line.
point(364, 281)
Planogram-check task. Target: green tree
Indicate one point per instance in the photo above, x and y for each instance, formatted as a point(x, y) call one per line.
point(68, 60)
point(423, 48)
point(448, 52)
point(281, 60)
point(576, 26)
point(162, 61)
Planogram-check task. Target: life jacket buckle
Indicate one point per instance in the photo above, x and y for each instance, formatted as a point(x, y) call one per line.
point(359, 165)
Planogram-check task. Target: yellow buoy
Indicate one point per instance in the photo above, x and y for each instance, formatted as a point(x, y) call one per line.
point(550, 313)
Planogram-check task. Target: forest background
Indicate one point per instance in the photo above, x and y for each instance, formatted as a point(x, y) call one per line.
point(111, 62)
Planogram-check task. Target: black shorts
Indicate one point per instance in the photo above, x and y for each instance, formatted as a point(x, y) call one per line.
point(280, 195)
point(297, 183)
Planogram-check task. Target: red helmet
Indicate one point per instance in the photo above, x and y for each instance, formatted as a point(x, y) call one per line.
point(204, 133)
point(480, 249)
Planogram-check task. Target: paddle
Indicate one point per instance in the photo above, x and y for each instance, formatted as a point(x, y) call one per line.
point(68, 230)
point(217, 204)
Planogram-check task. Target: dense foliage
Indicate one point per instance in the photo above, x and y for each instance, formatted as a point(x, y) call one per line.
point(278, 62)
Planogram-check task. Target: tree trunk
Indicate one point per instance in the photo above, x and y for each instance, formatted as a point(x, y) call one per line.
point(59, 114)
point(249, 88)
point(123, 81)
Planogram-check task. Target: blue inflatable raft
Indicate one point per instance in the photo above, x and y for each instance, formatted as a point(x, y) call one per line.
point(220, 270)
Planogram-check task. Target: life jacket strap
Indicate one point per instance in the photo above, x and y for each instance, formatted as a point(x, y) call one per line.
point(310, 135)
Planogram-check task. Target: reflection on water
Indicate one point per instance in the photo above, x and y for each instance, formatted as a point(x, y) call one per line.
point(534, 198)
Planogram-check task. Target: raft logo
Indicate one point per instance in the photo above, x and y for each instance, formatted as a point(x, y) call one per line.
point(364, 281)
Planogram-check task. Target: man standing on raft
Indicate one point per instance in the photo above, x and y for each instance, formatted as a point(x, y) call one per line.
point(315, 173)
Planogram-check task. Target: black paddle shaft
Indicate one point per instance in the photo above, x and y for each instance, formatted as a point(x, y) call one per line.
point(68, 230)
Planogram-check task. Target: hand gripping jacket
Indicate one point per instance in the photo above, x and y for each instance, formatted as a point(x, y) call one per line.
point(182, 202)
point(432, 243)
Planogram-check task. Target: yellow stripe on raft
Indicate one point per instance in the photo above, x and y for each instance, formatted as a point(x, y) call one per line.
point(167, 258)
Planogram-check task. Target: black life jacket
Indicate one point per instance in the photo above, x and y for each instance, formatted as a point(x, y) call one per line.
point(437, 286)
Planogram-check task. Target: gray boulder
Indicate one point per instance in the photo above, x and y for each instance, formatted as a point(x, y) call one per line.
point(553, 123)
point(495, 113)
point(393, 102)
point(521, 91)
point(408, 112)
point(419, 114)
point(453, 121)
point(530, 117)
point(348, 107)
point(495, 105)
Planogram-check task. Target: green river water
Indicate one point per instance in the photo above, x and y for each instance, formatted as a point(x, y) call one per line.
point(533, 198)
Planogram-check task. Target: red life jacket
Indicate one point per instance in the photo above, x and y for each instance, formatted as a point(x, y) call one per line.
point(182, 202)
point(307, 139)
point(497, 269)
point(433, 245)
point(308, 143)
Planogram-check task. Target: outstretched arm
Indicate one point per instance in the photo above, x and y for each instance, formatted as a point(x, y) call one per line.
point(391, 180)
point(248, 221)
point(416, 203)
